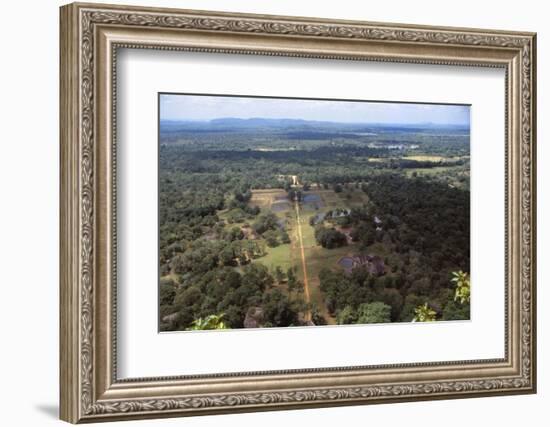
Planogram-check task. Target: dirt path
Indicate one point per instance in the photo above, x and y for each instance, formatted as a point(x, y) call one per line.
point(303, 256)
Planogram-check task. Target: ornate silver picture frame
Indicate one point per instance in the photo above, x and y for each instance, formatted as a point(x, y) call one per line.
point(91, 35)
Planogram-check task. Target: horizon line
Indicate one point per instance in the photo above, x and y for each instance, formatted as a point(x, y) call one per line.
point(308, 120)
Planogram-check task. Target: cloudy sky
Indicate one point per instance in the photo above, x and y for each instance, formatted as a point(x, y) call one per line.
point(194, 107)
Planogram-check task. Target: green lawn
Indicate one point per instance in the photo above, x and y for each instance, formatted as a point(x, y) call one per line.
point(279, 256)
point(308, 232)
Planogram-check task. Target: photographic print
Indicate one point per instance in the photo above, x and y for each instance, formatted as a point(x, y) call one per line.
point(328, 235)
point(280, 212)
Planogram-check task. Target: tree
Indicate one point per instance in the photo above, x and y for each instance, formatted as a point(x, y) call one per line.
point(264, 222)
point(375, 312)
point(210, 322)
point(189, 297)
point(291, 274)
point(462, 283)
point(411, 302)
point(454, 310)
point(167, 294)
point(227, 256)
point(347, 316)
point(188, 303)
point(329, 237)
point(316, 316)
point(423, 313)
point(279, 274)
point(278, 309)
point(270, 237)
point(167, 281)
point(285, 238)
point(256, 276)
point(293, 283)
point(235, 234)
point(236, 215)
point(364, 233)
point(392, 297)
point(298, 286)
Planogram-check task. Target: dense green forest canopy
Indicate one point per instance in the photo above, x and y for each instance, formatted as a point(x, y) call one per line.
point(404, 195)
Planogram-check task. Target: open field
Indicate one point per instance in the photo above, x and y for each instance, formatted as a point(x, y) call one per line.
point(433, 171)
point(280, 256)
point(428, 158)
point(266, 199)
point(345, 199)
point(433, 158)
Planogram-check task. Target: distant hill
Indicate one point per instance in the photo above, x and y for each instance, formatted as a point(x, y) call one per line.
point(228, 124)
